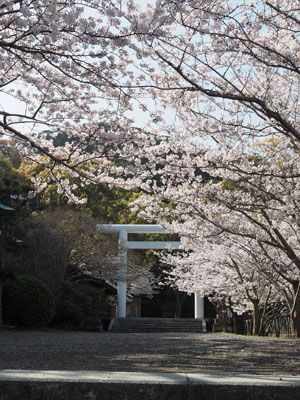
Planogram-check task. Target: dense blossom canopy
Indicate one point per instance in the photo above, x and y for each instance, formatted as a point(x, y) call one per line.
point(227, 72)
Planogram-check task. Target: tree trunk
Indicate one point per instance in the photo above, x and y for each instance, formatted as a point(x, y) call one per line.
point(1, 289)
point(256, 318)
point(180, 299)
point(295, 314)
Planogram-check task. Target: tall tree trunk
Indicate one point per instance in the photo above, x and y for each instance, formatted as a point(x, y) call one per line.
point(261, 331)
point(295, 312)
point(1, 289)
point(256, 318)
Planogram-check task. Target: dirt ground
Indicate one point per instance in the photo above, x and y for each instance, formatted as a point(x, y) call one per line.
point(213, 353)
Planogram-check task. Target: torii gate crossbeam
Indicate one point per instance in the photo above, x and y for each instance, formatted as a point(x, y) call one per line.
point(124, 244)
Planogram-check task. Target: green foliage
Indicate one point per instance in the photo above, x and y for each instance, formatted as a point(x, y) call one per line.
point(27, 302)
point(9, 150)
point(9, 263)
point(78, 304)
point(107, 204)
point(110, 205)
point(8, 181)
point(13, 193)
point(68, 314)
point(14, 186)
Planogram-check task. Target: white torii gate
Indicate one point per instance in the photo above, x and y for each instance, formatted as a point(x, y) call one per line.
point(124, 244)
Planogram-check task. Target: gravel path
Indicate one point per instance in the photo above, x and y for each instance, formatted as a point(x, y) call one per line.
point(157, 352)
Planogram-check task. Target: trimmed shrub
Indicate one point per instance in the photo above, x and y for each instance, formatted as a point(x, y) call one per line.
point(68, 314)
point(79, 307)
point(27, 302)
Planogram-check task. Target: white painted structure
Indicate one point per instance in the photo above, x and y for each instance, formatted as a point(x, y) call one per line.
point(124, 244)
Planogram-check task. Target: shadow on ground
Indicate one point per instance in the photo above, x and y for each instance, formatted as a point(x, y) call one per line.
point(157, 352)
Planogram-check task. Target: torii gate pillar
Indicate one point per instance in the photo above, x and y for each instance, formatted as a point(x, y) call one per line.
point(122, 272)
point(199, 305)
point(124, 244)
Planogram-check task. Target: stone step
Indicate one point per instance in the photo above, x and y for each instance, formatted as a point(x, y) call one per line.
point(157, 325)
point(156, 330)
point(78, 385)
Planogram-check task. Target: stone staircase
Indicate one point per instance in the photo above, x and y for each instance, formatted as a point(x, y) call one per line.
point(150, 325)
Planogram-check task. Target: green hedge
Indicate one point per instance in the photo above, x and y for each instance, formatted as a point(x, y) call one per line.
point(78, 304)
point(27, 302)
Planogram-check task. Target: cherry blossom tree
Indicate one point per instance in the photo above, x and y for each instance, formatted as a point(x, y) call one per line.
point(227, 70)
point(235, 271)
point(231, 71)
point(245, 199)
point(62, 68)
